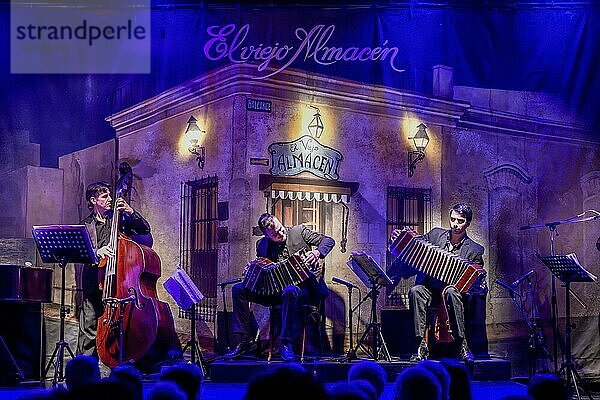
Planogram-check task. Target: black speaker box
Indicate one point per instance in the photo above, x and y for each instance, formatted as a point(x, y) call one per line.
point(10, 374)
point(398, 332)
point(24, 336)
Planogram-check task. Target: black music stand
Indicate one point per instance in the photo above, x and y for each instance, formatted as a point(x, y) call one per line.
point(567, 269)
point(373, 276)
point(63, 244)
point(187, 296)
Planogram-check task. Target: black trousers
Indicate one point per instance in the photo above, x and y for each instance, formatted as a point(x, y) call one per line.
point(421, 297)
point(91, 309)
point(291, 300)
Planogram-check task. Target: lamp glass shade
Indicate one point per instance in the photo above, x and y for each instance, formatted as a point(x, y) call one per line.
point(194, 135)
point(193, 130)
point(421, 139)
point(316, 126)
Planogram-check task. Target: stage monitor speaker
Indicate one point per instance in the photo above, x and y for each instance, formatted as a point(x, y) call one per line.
point(23, 332)
point(10, 374)
point(398, 332)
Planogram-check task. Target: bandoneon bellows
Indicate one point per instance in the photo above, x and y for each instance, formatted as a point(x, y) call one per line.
point(413, 250)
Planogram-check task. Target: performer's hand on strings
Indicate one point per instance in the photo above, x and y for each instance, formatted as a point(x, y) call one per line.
point(123, 206)
point(105, 251)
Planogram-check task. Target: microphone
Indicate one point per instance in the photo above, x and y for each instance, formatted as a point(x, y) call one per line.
point(343, 282)
point(230, 282)
point(521, 279)
point(505, 286)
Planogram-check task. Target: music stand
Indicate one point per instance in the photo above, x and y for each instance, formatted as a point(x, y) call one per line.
point(187, 295)
point(367, 269)
point(63, 244)
point(568, 269)
point(553, 230)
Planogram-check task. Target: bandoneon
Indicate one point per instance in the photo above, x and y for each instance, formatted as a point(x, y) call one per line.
point(416, 252)
point(264, 277)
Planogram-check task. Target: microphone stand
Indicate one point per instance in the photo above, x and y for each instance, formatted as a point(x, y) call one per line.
point(552, 228)
point(557, 338)
point(351, 310)
point(535, 343)
point(223, 285)
point(554, 306)
point(350, 313)
point(536, 338)
point(225, 318)
point(347, 357)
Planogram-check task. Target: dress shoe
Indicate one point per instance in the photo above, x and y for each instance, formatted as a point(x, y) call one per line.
point(287, 353)
point(422, 352)
point(465, 353)
point(241, 349)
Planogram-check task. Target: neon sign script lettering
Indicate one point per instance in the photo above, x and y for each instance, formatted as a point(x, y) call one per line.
point(227, 42)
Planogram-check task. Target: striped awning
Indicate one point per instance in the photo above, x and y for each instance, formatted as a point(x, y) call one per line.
point(318, 196)
point(294, 188)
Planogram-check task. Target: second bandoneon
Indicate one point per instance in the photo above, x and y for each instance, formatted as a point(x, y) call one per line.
point(413, 250)
point(266, 278)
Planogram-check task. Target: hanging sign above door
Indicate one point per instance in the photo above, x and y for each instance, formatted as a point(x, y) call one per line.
point(305, 154)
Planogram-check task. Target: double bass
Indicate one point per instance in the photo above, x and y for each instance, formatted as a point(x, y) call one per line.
point(136, 326)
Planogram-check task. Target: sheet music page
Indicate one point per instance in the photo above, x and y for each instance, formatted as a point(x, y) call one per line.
point(573, 257)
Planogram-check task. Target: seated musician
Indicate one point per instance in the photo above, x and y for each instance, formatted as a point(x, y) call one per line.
point(428, 289)
point(98, 225)
point(279, 244)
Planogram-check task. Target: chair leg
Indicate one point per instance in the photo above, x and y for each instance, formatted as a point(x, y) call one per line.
point(270, 356)
point(303, 342)
point(271, 334)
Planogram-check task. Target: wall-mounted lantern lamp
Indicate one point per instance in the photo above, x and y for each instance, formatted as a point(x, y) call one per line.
point(194, 132)
point(316, 125)
point(421, 140)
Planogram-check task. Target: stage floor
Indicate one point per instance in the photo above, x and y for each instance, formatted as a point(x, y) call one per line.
point(240, 371)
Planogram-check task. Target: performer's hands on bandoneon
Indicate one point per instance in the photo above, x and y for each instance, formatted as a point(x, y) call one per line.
point(395, 234)
point(245, 271)
point(312, 257)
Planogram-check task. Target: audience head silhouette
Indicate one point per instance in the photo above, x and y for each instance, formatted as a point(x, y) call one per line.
point(417, 383)
point(546, 387)
point(188, 377)
point(371, 372)
point(81, 371)
point(460, 384)
point(166, 391)
point(289, 382)
point(130, 377)
point(356, 390)
point(443, 377)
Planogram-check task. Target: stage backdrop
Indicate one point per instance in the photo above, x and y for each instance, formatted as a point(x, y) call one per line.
point(549, 51)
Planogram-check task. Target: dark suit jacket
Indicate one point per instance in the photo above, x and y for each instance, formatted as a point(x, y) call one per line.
point(469, 249)
point(134, 226)
point(299, 237)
